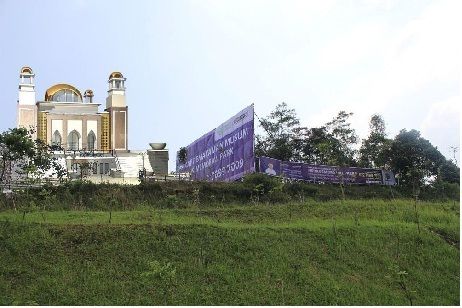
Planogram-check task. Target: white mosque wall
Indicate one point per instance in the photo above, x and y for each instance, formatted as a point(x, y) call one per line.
point(27, 116)
point(115, 100)
point(77, 125)
point(26, 97)
point(92, 125)
point(57, 125)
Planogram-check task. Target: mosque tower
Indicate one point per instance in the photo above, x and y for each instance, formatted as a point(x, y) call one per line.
point(118, 112)
point(27, 110)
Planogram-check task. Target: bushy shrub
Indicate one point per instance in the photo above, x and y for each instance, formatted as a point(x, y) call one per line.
point(266, 188)
point(171, 201)
point(151, 190)
point(206, 192)
point(440, 190)
point(81, 195)
point(224, 192)
point(301, 190)
point(265, 182)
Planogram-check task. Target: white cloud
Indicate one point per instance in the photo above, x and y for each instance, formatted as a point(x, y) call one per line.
point(356, 46)
point(442, 124)
point(325, 56)
point(425, 50)
point(415, 58)
point(386, 5)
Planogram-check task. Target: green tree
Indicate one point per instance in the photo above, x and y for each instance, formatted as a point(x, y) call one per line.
point(373, 149)
point(285, 139)
point(183, 155)
point(332, 143)
point(20, 153)
point(282, 128)
point(414, 158)
point(320, 147)
point(15, 145)
point(449, 172)
point(343, 137)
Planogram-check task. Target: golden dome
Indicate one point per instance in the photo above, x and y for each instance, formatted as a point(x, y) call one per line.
point(116, 75)
point(26, 69)
point(61, 86)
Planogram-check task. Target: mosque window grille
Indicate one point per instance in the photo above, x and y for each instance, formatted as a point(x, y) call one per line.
point(91, 141)
point(73, 140)
point(56, 139)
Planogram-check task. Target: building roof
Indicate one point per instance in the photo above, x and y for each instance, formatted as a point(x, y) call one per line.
point(116, 75)
point(60, 86)
point(26, 70)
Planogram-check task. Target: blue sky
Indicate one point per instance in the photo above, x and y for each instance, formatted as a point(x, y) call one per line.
point(190, 65)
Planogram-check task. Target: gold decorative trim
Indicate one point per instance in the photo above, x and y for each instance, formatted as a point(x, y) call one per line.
point(105, 132)
point(42, 126)
point(26, 69)
point(116, 75)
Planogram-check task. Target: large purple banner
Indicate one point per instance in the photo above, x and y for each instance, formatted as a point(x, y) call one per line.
point(224, 154)
point(325, 174)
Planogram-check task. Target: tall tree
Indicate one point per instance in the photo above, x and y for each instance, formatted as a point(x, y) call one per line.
point(373, 149)
point(342, 139)
point(320, 147)
point(330, 144)
point(282, 129)
point(414, 158)
point(377, 125)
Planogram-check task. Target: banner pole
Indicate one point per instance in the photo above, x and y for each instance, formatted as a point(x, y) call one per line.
point(253, 139)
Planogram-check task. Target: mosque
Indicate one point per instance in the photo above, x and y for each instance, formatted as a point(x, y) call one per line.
point(78, 131)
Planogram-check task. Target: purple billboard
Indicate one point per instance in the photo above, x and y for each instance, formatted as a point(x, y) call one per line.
point(270, 166)
point(292, 170)
point(326, 174)
point(224, 154)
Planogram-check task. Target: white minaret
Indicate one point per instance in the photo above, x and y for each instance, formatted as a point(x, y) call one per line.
point(27, 110)
point(118, 112)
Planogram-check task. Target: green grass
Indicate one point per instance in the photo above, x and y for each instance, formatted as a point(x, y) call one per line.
point(366, 252)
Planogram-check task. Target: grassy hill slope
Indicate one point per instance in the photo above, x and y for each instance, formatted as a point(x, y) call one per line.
point(360, 252)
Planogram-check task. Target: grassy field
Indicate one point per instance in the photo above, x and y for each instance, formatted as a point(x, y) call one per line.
point(355, 252)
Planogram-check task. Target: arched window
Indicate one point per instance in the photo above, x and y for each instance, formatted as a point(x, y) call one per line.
point(73, 140)
point(56, 139)
point(91, 141)
point(65, 95)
